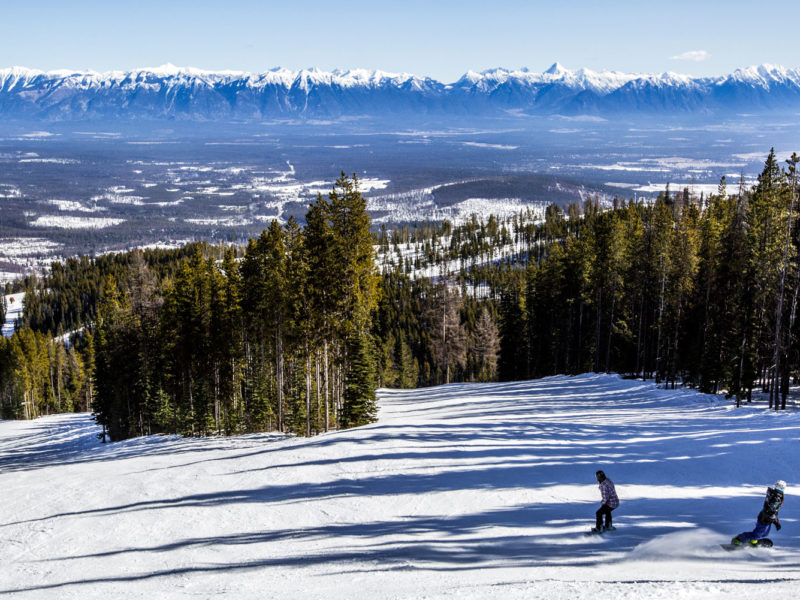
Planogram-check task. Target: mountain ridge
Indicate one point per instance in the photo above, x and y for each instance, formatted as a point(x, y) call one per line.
point(189, 93)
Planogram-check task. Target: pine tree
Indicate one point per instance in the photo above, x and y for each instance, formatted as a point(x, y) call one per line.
point(513, 351)
point(342, 271)
point(275, 305)
point(486, 346)
point(359, 405)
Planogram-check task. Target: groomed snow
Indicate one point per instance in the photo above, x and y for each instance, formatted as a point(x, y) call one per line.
point(461, 491)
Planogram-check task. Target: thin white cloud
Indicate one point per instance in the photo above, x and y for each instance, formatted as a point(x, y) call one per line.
point(694, 55)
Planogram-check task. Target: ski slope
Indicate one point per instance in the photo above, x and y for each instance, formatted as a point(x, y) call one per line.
point(460, 491)
point(15, 304)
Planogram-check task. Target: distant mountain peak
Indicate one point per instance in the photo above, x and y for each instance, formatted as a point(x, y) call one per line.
point(556, 69)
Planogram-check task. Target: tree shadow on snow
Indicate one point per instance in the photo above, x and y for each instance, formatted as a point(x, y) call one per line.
point(73, 440)
point(463, 542)
point(512, 438)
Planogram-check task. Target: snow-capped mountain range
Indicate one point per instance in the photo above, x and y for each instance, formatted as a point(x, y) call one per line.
point(170, 92)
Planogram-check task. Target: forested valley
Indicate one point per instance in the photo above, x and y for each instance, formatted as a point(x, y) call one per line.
point(295, 331)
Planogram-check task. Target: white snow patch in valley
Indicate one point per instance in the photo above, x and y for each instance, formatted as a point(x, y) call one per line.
point(369, 184)
point(24, 247)
point(99, 134)
point(113, 198)
point(54, 161)
point(165, 245)
point(626, 167)
point(682, 163)
point(73, 206)
point(501, 208)
point(780, 156)
point(39, 134)
point(169, 202)
point(9, 191)
point(68, 222)
point(666, 165)
point(404, 206)
point(462, 491)
point(211, 190)
point(678, 187)
point(420, 204)
point(490, 146)
point(220, 221)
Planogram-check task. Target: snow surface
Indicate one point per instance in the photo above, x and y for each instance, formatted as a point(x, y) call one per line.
point(67, 222)
point(15, 304)
point(459, 491)
point(24, 247)
point(73, 206)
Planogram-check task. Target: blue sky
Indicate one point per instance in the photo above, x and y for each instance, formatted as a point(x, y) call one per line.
point(438, 38)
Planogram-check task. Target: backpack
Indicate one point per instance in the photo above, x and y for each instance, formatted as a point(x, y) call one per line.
point(772, 504)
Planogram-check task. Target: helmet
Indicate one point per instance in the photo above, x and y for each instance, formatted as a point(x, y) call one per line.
point(779, 486)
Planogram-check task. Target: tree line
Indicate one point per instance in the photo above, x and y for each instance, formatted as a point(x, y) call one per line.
point(702, 293)
point(292, 333)
point(296, 330)
point(278, 339)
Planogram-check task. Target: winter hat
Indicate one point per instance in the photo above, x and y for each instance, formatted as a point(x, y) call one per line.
point(779, 486)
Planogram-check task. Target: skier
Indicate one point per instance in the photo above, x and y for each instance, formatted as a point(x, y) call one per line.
point(767, 516)
point(610, 502)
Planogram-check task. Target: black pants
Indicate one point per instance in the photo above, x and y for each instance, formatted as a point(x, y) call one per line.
point(604, 510)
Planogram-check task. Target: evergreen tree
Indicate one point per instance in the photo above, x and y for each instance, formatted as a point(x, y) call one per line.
point(359, 406)
point(485, 347)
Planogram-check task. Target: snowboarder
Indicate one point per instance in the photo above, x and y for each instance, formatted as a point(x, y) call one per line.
point(767, 516)
point(610, 502)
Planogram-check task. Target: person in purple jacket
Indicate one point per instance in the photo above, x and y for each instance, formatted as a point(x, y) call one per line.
point(610, 502)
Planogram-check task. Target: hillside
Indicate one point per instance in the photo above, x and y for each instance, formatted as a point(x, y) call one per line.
point(467, 490)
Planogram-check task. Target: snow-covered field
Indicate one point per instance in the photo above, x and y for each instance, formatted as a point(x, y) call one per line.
point(24, 247)
point(67, 222)
point(461, 491)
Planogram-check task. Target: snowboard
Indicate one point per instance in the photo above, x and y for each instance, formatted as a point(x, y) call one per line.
point(762, 543)
point(594, 531)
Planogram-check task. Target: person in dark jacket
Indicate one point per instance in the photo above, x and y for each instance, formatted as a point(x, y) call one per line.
point(610, 502)
point(767, 516)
